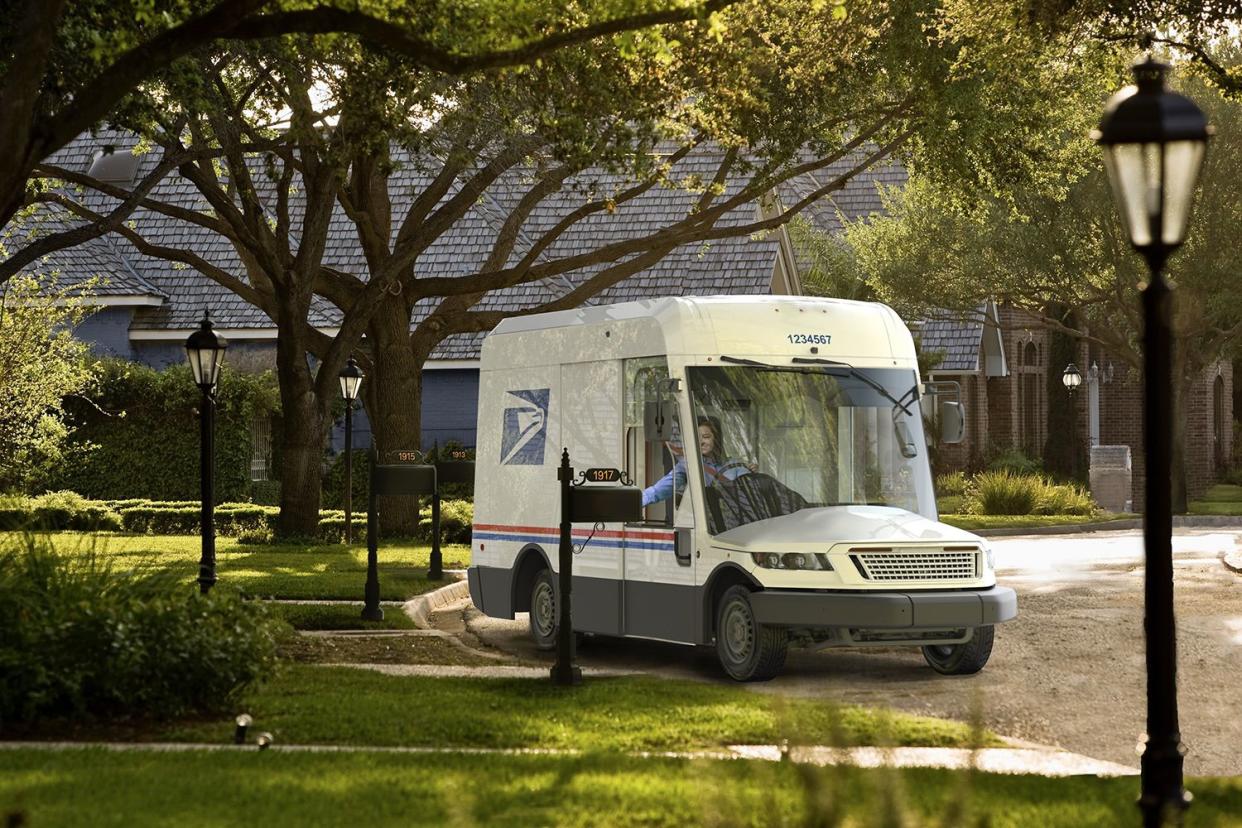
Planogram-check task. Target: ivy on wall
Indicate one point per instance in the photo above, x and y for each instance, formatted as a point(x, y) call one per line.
point(142, 428)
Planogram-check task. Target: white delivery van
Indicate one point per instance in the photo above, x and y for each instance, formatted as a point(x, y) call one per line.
point(798, 510)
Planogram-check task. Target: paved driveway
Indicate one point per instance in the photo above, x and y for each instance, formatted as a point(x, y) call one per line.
point(1069, 671)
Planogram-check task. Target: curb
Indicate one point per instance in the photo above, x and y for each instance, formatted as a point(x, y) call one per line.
point(420, 607)
point(1179, 522)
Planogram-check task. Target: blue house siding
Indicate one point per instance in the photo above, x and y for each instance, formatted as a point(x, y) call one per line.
point(450, 410)
point(106, 331)
point(450, 406)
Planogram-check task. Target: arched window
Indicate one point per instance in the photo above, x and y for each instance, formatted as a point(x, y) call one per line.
point(1218, 423)
point(1029, 398)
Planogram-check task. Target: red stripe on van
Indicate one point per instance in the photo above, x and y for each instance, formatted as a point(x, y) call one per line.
point(637, 534)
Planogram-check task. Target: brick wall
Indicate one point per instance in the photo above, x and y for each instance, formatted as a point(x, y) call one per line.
point(1121, 423)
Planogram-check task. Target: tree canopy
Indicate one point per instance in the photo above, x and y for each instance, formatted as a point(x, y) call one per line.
point(67, 66)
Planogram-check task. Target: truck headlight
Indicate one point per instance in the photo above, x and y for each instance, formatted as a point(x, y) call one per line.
point(791, 560)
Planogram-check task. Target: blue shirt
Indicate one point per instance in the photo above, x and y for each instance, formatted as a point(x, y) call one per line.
point(663, 488)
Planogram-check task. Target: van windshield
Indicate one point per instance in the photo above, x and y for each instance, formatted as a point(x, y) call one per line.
point(776, 440)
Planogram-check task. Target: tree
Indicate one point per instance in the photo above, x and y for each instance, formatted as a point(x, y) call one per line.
point(65, 67)
point(1044, 254)
point(791, 91)
point(40, 365)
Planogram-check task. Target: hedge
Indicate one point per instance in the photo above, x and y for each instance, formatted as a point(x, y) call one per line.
point(250, 522)
point(142, 427)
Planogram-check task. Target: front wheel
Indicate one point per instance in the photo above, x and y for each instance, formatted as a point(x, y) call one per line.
point(961, 659)
point(748, 650)
point(543, 611)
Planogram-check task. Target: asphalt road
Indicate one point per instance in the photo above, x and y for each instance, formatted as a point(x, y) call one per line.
point(1069, 671)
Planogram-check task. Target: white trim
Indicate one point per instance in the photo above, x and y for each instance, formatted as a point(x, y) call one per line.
point(127, 300)
point(444, 364)
point(178, 334)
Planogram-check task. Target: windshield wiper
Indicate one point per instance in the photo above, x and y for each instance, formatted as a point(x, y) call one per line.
point(744, 361)
point(854, 372)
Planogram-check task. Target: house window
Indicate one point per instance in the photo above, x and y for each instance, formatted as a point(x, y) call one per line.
point(1029, 400)
point(260, 447)
point(1218, 423)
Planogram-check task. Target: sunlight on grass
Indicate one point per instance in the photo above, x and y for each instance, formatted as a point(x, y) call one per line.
point(320, 705)
point(137, 789)
point(322, 571)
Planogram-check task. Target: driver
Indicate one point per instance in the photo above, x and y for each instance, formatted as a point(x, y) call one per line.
point(715, 466)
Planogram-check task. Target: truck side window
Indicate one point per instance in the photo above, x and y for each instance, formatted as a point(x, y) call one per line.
point(651, 463)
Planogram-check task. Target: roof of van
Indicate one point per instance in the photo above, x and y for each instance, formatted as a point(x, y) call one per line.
point(740, 325)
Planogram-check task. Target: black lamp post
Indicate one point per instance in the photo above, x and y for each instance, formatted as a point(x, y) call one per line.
point(1153, 142)
point(205, 349)
point(351, 380)
point(1071, 378)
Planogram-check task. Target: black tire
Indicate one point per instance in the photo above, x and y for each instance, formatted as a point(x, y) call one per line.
point(961, 659)
point(543, 611)
point(747, 650)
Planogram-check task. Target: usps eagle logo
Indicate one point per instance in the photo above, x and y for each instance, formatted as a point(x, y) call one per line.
point(525, 428)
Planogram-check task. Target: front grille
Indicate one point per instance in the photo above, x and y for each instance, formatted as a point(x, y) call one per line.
point(917, 564)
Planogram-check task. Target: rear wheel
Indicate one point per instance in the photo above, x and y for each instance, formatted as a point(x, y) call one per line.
point(748, 650)
point(543, 611)
point(961, 659)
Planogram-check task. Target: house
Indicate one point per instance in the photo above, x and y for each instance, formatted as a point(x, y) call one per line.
point(1004, 361)
point(999, 357)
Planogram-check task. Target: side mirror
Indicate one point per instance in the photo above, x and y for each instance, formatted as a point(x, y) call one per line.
point(905, 440)
point(952, 422)
point(658, 418)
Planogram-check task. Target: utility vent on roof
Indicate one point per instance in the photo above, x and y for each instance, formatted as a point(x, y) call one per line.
point(113, 167)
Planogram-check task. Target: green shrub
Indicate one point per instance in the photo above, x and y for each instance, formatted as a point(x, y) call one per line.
point(57, 510)
point(1002, 493)
point(265, 492)
point(1005, 493)
point(144, 428)
point(334, 482)
point(1013, 460)
point(456, 521)
point(950, 504)
point(952, 484)
point(1065, 499)
point(77, 638)
point(230, 519)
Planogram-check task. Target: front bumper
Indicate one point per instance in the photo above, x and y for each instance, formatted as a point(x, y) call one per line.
point(885, 610)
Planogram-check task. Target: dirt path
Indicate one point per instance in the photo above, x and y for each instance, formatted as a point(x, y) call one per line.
point(1069, 671)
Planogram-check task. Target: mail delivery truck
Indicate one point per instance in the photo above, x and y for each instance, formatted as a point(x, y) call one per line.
point(787, 494)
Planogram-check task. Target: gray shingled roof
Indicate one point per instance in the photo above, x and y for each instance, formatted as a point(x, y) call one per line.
point(741, 265)
point(957, 336)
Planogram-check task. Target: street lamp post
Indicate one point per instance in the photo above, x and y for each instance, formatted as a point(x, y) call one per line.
point(1153, 142)
point(351, 380)
point(205, 350)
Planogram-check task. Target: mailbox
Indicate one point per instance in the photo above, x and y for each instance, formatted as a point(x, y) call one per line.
point(605, 504)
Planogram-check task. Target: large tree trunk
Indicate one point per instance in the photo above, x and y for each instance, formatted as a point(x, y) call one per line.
point(394, 397)
point(303, 433)
point(1183, 379)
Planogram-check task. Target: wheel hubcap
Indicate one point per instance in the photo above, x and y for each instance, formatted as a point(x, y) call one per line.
point(738, 632)
point(543, 610)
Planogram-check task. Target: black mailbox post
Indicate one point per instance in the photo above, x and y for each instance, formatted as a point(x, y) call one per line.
point(409, 476)
point(456, 470)
point(609, 498)
point(412, 479)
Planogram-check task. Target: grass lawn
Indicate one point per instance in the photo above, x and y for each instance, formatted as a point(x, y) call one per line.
point(340, 705)
point(971, 522)
point(89, 787)
point(1222, 499)
point(331, 571)
point(338, 617)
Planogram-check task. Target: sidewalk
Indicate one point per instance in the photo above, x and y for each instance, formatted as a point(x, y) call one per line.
point(1034, 761)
